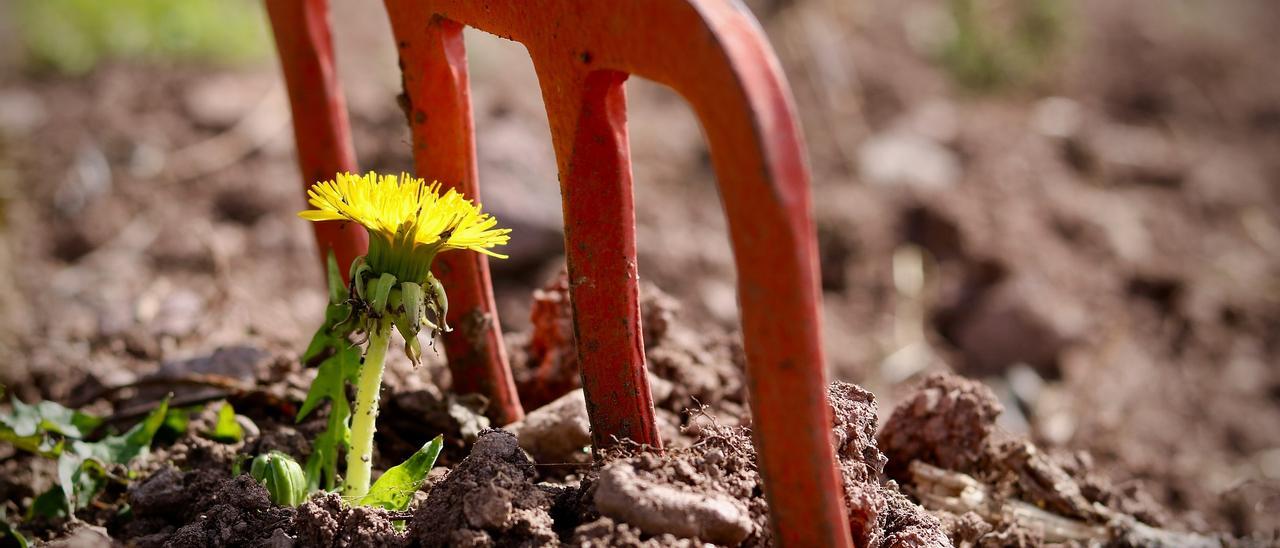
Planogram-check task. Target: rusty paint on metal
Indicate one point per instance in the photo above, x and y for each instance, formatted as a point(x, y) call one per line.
point(434, 68)
point(320, 127)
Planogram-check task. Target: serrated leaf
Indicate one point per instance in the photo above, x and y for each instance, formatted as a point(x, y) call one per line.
point(226, 430)
point(331, 334)
point(340, 365)
point(330, 384)
point(337, 290)
point(395, 488)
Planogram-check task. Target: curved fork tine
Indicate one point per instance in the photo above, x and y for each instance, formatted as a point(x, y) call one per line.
point(320, 127)
point(437, 102)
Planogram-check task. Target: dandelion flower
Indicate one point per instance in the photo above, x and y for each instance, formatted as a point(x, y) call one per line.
point(408, 220)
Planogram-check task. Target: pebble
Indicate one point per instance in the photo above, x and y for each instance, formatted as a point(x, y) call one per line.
point(1057, 117)
point(905, 158)
point(21, 112)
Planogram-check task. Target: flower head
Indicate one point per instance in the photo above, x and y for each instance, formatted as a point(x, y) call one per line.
point(408, 220)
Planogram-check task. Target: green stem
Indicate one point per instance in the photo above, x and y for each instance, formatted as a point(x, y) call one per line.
point(360, 457)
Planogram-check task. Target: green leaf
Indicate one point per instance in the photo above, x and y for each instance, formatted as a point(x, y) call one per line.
point(331, 333)
point(50, 504)
point(82, 466)
point(330, 384)
point(226, 430)
point(176, 422)
point(337, 290)
point(340, 366)
point(395, 488)
point(40, 428)
point(132, 444)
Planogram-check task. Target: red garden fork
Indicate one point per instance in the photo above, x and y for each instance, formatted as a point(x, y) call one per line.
point(711, 52)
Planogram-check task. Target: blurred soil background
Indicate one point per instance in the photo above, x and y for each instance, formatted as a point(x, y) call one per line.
point(1075, 202)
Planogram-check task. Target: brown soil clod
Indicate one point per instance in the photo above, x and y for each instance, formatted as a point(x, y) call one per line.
point(557, 432)
point(325, 521)
point(946, 422)
point(238, 512)
point(878, 514)
point(993, 488)
point(657, 509)
point(489, 498)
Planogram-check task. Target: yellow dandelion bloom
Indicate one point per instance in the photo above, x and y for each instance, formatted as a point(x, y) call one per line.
point(408, 220)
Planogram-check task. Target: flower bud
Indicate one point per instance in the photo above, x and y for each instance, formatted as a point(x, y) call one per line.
point(283, 478)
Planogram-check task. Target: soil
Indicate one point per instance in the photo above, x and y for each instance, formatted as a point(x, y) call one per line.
point(1058, 298)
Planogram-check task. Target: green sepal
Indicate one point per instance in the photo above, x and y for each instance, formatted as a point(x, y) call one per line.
point(409, 319)
point(412, 299)
point(438, 302)
point(380, 290)
point(358, 271)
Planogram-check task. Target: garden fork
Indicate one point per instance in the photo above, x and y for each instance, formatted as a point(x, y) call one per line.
point(713, 53)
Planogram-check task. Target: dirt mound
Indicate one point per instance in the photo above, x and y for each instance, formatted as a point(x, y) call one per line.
point(489, 498)
point(326, 521)
point(993, 488)
point(238, 512)
point(711, 491)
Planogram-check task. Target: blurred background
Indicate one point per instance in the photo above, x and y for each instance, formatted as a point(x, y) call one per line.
point(1075, 201)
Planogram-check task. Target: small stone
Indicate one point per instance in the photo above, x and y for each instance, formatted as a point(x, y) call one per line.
point(900, 157)
point(558, 431)
point(84, 535)
point(1057, 117)
point(658, 508)
point(21, 112)
point(179, 314)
